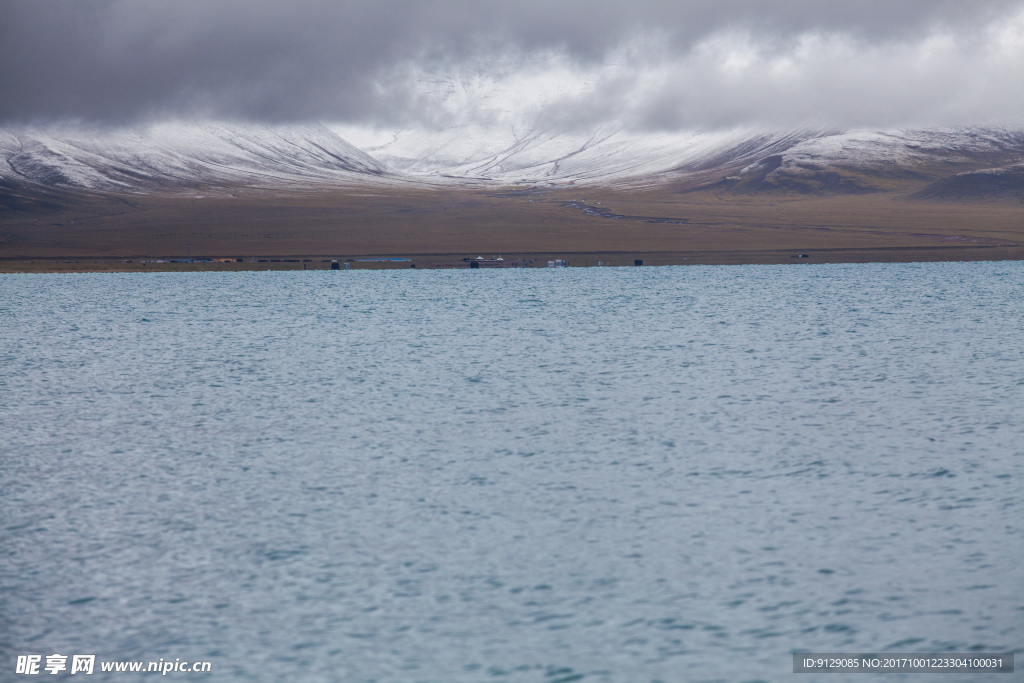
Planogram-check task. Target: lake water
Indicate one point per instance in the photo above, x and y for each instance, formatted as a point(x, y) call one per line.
point(610, 474)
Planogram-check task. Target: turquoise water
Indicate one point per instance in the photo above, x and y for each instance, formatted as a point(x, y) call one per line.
point(519, 475)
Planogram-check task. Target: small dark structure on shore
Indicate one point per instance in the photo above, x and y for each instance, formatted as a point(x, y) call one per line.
point(638, 262)
point(335, 265)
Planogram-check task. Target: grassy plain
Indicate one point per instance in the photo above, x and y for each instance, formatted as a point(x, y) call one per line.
point(439, 227)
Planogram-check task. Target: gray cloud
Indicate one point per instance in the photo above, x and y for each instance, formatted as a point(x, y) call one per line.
point(649, 64)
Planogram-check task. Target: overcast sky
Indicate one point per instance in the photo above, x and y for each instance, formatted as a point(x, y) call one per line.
point(668, 65)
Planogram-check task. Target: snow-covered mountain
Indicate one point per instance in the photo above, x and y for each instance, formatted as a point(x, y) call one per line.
point(504, 155)
point(499, 124)
point(169, 156)
point(183, 157)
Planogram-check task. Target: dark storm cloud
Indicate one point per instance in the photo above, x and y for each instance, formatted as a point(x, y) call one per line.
point(124, 61)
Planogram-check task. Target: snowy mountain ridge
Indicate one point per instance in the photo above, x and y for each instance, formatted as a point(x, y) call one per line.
point(183, 156)
point(166, 156)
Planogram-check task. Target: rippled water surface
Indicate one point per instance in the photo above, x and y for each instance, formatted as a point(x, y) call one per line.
point(527, 475)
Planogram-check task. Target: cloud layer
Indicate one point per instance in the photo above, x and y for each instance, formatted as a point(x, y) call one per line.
point(575, 63)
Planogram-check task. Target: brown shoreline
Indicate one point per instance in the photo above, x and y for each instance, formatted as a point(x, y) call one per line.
point(528, 260)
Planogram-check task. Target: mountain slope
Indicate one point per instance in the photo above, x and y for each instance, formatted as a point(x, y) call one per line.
point(189, 157)
point(170, 156)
